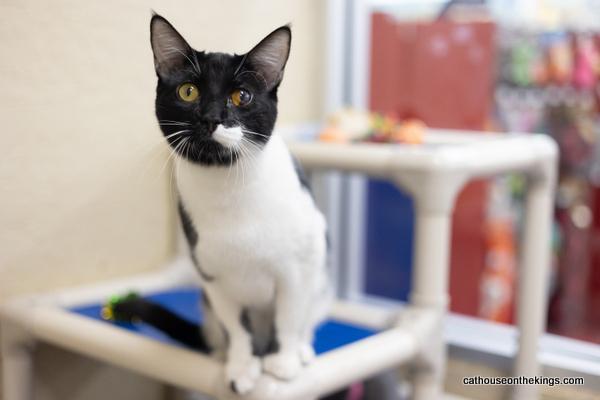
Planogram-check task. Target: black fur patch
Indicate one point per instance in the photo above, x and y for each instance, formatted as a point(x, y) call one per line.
point(273, 346)
point(257, 350)
point(192, 238)
point(204, 275)
point(245, 320)
point(188, 226)
point(247, 324)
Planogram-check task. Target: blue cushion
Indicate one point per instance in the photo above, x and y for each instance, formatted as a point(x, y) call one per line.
point(185, 302)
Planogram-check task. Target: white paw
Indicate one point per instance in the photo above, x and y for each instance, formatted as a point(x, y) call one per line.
point(243, 374)
point(283, 365)
point(307, 353)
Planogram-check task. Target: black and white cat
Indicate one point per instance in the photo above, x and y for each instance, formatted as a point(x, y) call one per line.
point(255, 235)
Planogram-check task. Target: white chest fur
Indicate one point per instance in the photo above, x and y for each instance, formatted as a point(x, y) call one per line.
point(254, 221)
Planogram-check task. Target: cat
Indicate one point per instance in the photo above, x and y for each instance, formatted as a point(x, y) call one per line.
point(254, 232)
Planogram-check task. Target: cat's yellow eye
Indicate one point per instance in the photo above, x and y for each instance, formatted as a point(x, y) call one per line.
point(241, 97)
point(188, 92)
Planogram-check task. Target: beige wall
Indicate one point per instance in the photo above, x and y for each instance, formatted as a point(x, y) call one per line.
point(83, 193)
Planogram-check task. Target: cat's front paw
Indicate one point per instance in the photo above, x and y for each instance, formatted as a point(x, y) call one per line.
point(307, 353)
point(243, 374)
point(283, 365)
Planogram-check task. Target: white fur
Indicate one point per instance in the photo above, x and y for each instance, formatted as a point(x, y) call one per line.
point(263, 240)
point(228, 136)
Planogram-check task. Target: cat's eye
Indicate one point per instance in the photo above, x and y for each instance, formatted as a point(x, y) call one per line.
point(188, 92)
point(241, 97)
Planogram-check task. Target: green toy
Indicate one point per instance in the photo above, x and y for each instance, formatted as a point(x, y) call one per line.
point(108, 311)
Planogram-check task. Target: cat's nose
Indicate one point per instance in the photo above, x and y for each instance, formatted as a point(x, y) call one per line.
point(211, 125)
point(213, 113)
point(212, 120)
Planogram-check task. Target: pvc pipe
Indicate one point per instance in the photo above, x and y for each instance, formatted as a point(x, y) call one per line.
point(429, 289)
point(339, 368)
point(430, 273)
point(482, 155)
point(17, 364)
point(104, 342)
point(369, 159)
point(533, 280)
point(434, 195)
point(195, 371)
point(17, 371)
point(371, 316)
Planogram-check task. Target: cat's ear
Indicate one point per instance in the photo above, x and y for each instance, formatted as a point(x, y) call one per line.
point(268, 58)
point(170, 49)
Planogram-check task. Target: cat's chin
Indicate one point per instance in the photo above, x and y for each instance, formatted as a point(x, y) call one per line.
point(209, 153)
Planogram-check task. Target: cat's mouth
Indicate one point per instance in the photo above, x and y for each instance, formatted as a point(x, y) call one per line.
point(222, 147)
point(228, 137)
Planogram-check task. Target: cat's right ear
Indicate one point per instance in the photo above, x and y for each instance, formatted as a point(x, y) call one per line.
point(170, 49)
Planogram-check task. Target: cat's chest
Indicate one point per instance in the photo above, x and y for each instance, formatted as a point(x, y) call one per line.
point(257, 236)
point(245, 237)
point(253, 219)
point(237, 216)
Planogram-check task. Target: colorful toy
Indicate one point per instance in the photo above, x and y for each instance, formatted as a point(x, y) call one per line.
point(586, 62)
point(350, 125)
point(108, 312)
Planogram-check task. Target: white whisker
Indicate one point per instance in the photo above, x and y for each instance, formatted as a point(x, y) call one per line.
point(173, 174)
point(178, 141)
point(173, 124)
point(177, 133)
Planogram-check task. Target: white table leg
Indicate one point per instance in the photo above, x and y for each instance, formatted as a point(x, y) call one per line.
point(533, 279)
point(429, 289)
point(434, 198)
point(17, 364)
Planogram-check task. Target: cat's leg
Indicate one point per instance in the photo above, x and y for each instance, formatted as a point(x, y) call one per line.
point(290, 308)
point(213, 330)
point(316, 313)
point(242, 368)
point(306, 349)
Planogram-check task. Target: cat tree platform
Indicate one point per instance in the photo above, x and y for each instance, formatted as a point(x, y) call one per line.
point(433, 173)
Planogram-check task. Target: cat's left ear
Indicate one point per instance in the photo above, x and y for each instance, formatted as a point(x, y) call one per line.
point(170, 49)
point(268, 58)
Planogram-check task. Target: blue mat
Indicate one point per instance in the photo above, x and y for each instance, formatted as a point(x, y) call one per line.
point(330, 335)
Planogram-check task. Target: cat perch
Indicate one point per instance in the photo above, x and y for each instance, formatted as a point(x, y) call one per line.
point(433, 173)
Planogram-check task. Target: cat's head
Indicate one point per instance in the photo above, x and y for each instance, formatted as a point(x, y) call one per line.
point(213, 107)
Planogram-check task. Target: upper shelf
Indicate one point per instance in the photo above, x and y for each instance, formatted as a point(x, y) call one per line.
point(465, 152)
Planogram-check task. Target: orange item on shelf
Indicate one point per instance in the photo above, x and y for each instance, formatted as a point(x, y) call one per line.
point(333, 134)
point(411, 131)
point(352, 125)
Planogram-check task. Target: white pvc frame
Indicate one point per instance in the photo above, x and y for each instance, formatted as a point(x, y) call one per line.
point(45, 318)
point(433, 174)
